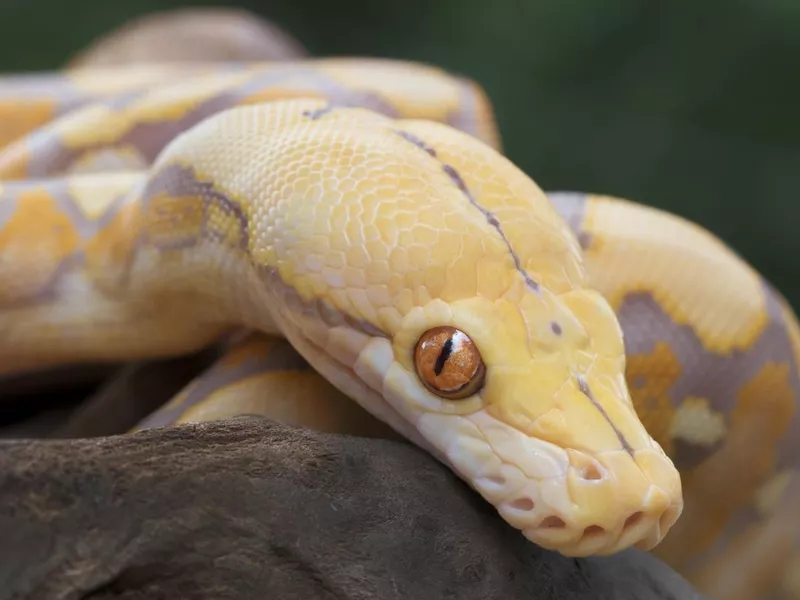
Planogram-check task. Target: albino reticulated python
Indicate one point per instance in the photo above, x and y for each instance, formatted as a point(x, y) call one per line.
point(358, 219)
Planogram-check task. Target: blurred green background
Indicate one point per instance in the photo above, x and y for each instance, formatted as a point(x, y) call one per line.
point(689, 106)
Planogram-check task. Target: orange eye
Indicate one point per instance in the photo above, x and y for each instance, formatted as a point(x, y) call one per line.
point(448, 363)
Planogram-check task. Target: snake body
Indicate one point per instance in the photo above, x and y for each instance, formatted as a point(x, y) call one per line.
point(358, 219)
point(91, 120)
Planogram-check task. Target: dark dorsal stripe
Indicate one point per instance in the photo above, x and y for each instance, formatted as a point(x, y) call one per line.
point(458, 181)
point(583, 386)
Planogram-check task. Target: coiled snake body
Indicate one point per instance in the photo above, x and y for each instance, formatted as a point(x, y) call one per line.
point(358, 219)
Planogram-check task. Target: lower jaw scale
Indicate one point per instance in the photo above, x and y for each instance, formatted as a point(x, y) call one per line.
point(541, 510)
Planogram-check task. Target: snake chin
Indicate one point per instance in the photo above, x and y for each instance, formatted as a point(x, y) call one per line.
point(642, 529)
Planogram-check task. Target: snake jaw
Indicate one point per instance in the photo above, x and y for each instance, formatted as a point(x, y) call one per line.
point(561, 499)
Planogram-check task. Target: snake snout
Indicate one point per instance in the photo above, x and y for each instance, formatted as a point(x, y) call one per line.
point(599, 505)
point(568, 496)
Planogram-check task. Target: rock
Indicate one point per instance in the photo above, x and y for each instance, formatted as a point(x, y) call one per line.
point(248, 508)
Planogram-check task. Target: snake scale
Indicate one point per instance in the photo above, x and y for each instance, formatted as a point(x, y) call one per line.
point(602, 372)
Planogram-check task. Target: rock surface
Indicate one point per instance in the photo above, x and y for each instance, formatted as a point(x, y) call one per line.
point(251, 509)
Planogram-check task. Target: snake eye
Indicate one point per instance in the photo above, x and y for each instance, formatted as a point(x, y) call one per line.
point(448, 363)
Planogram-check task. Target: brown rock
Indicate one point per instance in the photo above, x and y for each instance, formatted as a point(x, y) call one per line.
point(251, 509)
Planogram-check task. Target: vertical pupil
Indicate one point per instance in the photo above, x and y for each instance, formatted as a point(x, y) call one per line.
point(447, 349)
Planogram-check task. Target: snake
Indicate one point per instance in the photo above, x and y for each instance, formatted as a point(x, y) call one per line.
point(605, 374)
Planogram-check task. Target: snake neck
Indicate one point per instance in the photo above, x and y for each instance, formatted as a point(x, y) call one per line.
point(194, 248)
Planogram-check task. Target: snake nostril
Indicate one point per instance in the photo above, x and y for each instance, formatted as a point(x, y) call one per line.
point(586, 467)
point(496, 480)
point(633, 519)
point(525, 504)
point(552, 522)
point(591, 473)
point(593, 530)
